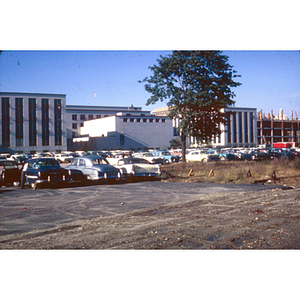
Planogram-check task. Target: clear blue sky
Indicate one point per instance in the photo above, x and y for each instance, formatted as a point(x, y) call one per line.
point(270, 79)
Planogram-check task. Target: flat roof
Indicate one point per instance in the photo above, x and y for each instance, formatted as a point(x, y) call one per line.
point(32, 94)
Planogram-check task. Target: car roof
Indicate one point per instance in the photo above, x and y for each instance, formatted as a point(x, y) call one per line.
point(32, 160)
point(134, 159)
point(91, 157)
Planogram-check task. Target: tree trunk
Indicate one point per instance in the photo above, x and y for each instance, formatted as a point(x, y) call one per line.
point(183, 146)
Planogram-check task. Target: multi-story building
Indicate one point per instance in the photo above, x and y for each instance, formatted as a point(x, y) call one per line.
point(134, 131)
point(278, 129)
point(76, 115)
point(239, 132)
point(32, 122)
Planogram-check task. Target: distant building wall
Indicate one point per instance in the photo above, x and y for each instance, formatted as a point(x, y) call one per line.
point(241, 130)
point(32, 122)
point(78, 114)
point(128, 132)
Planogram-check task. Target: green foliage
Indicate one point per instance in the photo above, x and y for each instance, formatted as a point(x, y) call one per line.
point(196, 86)
point(175, 143)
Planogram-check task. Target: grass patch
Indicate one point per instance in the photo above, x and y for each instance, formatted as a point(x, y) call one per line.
point(235, 171)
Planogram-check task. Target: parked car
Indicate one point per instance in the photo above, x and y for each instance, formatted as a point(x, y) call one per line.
point(18, 158)
point(243, 156)
point(201, 155)
point(11, 174)
point(278, 153)
point(226, 155)
point(260, 155)
point(166, 155)
point(150, 157)
point(38, 171)
point(3, 159)
point(138, 167)
point(63, 157)
point(96, 168)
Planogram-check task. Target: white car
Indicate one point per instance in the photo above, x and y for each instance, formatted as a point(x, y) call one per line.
point(150, 157)
point(201, 155)
point(63, 157)
point(96, 168)
point(137, 167)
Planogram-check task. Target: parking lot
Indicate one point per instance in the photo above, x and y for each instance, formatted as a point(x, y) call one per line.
point(54, 218)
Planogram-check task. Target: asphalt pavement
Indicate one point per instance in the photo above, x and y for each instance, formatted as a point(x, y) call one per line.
point(24, 210)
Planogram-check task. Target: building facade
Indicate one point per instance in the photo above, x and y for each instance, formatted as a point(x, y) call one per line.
point(137, 131)
point(76, 115)
point(240, 130)
point(32, 122)
point(278, 129)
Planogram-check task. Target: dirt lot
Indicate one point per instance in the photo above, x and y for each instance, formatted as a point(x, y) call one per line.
point(267, 219)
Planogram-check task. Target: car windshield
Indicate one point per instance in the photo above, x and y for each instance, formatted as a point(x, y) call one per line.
point(99, 161)
point(46, 163)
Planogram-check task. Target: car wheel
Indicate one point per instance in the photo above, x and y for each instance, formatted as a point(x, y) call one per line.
point(223, 158)
point(204, 159)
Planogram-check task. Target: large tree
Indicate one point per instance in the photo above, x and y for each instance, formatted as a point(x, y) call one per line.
point(196, 86)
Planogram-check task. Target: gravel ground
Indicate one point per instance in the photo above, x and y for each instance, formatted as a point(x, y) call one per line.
point(267, 219)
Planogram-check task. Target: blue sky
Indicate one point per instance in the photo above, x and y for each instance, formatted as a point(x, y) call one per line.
point(270, 79)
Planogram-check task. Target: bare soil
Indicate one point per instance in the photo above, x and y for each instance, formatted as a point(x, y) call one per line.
point(268, 219)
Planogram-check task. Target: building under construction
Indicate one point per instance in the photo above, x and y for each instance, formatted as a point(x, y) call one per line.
point(278, 129)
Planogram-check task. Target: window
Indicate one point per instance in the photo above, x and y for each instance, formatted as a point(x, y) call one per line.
point(125, 120)
point(45, 122)
point(57, 120)
point(163, 120)
point(82, 117)
point(251, 127)
point(234, 128)
point(91, 117)
point(229, 128)
point(74, 125)
point(32, 121)
point(240, 120)
point(5, 123)
point(131, 120)
point(19, 121)
point(246, 127)
point(157, 120)
point(144, 120)
point(122, 139)
point(151, 120)
point(175, 132)
point(74, 117)
point(98, 116)
point(138, 120)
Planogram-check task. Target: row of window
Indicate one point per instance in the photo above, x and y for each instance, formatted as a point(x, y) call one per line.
point(75, 125)
point(89, 117)
point(144, 120)
point(241, 126)
point(19, 121)
point(125, 120)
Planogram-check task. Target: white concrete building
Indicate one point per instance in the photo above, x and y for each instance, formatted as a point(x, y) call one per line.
point(241, 130)
point(76, 115)
point(32, 122)
point(122, 132)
